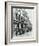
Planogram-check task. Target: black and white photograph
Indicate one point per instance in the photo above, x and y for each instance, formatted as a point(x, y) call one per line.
point(22, 22)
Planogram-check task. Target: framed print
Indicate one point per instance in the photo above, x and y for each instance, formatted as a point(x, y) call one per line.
point(21, 22)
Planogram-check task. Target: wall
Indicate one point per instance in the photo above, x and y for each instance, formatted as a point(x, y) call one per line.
point(36, 1)
point(2, 24)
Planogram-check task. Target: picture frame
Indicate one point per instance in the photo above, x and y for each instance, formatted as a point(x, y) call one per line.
point(15, 26)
